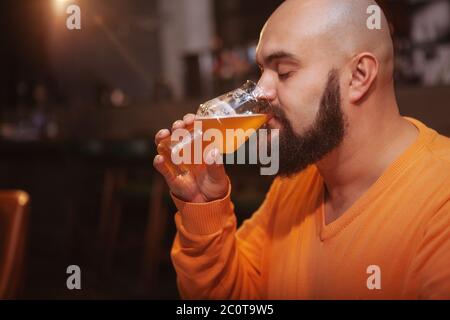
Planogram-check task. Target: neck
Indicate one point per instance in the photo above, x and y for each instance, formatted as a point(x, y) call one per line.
point(371, 145)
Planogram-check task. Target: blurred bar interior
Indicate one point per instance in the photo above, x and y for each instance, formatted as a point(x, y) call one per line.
point(79, 109)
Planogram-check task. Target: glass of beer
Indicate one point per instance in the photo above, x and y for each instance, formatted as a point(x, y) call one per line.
point(232, 114)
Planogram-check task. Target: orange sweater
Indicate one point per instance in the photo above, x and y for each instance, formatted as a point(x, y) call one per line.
point(396, 237)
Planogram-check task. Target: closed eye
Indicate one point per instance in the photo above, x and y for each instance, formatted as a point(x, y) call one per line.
point(284, 76)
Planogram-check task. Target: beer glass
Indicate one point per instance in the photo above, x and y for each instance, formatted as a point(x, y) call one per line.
point(236, 111)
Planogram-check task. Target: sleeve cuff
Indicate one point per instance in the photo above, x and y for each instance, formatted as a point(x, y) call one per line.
point(205, 218)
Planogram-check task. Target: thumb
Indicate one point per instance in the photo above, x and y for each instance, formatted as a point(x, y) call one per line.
point(214, 165)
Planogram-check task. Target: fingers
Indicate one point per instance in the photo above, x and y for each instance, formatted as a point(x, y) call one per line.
point(214, 165)
point(188, 120)
point(161, 135)
point(161, 167)
point(179, 124)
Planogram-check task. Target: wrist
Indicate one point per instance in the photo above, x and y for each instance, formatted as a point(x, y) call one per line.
point(205, 218)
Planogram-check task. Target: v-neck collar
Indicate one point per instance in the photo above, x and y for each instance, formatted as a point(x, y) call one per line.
point(390, 174)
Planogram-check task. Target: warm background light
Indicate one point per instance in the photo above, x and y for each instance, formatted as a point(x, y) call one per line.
point(60, 6)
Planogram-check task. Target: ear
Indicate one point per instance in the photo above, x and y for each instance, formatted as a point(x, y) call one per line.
point(364, 70)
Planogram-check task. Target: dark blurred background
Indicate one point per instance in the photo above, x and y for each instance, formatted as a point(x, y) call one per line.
point(79, 109)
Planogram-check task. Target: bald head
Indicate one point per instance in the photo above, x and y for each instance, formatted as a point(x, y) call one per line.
point(327, 70)
point(335, 29)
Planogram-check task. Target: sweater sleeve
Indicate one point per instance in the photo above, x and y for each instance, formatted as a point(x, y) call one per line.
point(431, 266)
point(211, 258)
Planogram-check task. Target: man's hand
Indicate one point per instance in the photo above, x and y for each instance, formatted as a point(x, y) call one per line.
point(204, 183)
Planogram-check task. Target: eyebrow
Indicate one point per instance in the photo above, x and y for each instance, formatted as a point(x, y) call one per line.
point(278, 55)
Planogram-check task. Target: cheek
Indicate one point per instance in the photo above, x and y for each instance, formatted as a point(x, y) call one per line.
point(344, 95)
point(300, 101)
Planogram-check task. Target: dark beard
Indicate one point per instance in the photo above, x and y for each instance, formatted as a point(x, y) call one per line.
point(297, 152)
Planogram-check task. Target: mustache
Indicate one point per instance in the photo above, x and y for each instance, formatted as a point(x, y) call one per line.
point(279, 114)
point(275, 112)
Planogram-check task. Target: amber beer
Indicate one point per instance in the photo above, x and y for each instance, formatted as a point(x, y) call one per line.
point(237, 124)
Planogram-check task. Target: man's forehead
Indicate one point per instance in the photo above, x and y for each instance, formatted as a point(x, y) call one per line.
point(282, 36)
point(273, 48)
point(297, 27)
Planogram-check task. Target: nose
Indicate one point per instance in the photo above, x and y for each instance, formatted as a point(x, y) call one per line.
point(269, 92)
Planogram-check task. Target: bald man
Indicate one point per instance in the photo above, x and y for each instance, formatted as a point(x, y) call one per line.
point(361, 206)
